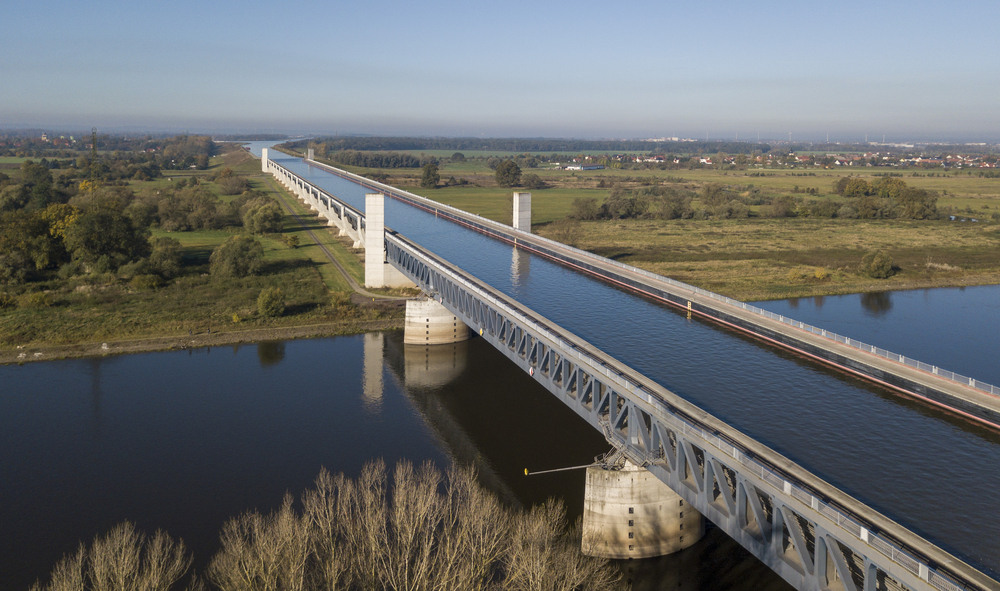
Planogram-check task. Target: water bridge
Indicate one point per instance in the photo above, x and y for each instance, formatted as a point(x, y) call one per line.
point(538, 308)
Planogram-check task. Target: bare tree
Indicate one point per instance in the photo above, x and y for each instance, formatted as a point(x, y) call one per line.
point(262, 553)
point(124, 559)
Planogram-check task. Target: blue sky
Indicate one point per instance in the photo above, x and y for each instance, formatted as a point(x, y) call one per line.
point(909, 70)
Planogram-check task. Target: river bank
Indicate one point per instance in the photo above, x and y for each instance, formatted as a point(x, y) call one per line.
point(195, 340)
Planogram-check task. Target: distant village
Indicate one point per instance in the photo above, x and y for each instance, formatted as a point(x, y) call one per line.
point(781, 159)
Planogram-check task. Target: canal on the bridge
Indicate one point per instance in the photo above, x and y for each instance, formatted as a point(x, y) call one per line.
point(935, 474)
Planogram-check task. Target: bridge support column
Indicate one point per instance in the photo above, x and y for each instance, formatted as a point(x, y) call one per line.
point(263, 160)
point(430, 323)
point(629, 513)
point(309, 154)
point(378, 273)
point(522, 212)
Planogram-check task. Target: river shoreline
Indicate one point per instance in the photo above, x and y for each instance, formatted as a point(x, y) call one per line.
point(202, 339)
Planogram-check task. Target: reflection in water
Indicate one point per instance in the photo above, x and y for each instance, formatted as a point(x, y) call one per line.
point(270, 352)
point(876, 303)
point(520, 268)
point(818, 302)
point(433, 366)
point(95, 392)
point(793, 303)
point(372, 386)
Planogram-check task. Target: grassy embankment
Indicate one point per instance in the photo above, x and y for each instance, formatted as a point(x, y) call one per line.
point(103, 308)
point(756, 258)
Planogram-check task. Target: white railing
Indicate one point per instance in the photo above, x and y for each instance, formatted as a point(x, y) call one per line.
point(762, 471)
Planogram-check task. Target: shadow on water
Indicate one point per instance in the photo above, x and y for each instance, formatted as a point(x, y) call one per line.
point(270, 352)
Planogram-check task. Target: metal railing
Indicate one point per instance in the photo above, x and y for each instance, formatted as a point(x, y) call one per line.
point(646, 393)
point(933, 369)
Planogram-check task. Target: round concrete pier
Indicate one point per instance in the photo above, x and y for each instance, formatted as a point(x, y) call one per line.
point(430, 323)
point(628, 513)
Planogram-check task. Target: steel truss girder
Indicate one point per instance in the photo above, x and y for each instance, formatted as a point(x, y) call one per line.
point(810, 543)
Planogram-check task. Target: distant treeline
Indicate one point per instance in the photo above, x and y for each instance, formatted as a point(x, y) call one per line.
point(374, 159)
point(253, 137)
point(522, 145)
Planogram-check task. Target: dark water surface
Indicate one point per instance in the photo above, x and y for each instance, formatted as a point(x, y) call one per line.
point(182, 441)
point(935, 474)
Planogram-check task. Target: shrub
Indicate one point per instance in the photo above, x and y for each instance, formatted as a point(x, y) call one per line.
point(847, 212)
point(36, 299)
point(876, 264)
point(7, 300)
point(290, 240)
point(238, 256)
point(271, 302)
point(533, 181)
point(342, 305)
point(146, 281)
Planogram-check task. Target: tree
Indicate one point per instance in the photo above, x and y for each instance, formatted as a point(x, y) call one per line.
point(508, 174)
point(106, 233)
point(124, 558)
point(458, 157)
point(430, 178)
point(263, 219)
point(238, 256)
point(166, 256)
point(26, 244)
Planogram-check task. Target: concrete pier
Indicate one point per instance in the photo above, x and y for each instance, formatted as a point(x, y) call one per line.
point(263, 160)
point(522, 212)
point(378, 273)
point(430, 323)
point(629, 513)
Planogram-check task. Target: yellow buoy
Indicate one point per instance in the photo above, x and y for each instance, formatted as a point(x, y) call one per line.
point(525, 471)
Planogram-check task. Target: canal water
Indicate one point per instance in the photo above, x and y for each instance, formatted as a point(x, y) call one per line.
point(920, 466)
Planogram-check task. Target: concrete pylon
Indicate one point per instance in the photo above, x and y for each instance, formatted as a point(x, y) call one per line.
point(430, 323)
point(378, 273)
point(310, 154)
point(522, 211)
point(629, 513)
point(263, 160)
